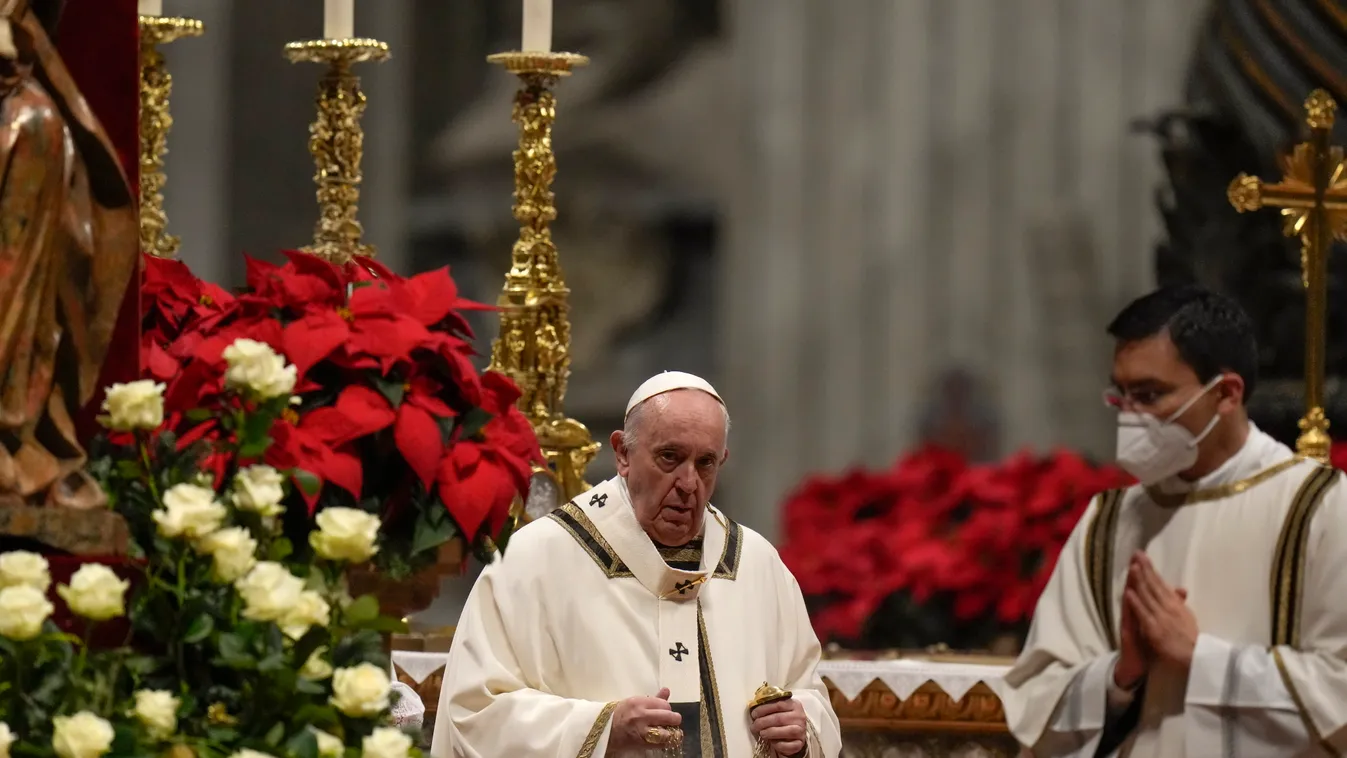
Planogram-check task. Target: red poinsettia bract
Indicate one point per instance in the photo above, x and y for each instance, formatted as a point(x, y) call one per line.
point(384, 372)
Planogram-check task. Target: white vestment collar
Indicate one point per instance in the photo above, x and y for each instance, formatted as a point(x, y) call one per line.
point(1260, 452)
point(603, 521)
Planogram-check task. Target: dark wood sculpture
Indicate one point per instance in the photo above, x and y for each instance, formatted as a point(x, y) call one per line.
point(69, 246)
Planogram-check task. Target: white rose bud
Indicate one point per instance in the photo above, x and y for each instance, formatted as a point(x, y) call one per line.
point(386, 742)
point(22, 611)
point(269, 592)
point(158, 711)
point(259, 489)
point(256, 368)
point(189, 511)
point(234, 551)
point(345, 534)
point(95, 592)
point(83, 735)
point(311, 610)
point(316, 668)
point(21, 567)
point(361, 691)
point(328, 745)
point(132, 406)
point(6, 739)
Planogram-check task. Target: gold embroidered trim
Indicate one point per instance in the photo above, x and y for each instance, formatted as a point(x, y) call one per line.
point(1288, 564)
point(710, 700)
point(573, 519)
point(1225, 490)
point(595, 732)
point(1310, 728)
point(1099, 559)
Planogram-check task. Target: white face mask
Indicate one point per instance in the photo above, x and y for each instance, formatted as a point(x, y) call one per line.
point(1153, 450)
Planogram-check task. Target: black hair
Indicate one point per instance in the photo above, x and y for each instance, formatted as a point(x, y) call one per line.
point(1212, 332)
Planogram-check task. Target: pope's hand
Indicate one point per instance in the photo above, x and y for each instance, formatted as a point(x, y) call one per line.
point(782, 726)
point(636, 716)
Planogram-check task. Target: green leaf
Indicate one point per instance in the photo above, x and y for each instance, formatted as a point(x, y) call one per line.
point(321, 716)
point(128, 469)
point(234, 652)
point(200, 629)
point(387, 625)
point(198, 414)
point(253, 438)
point(471, 423)
point(391, 389)
point(280, 550)
point(302, 745)
point(272, 663)
point(276, 734)
point(221, 734)
point(433, 528)
point(308, 483)
point(310, 687)
point(362, 611)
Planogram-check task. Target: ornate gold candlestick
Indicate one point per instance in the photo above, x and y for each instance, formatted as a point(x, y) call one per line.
point(535, 333)
point(1312, 197)
point(337, 143)
point(155, 121)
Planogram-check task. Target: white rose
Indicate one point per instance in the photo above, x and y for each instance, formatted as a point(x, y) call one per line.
point(259, 489)
point(6, 739)
point(345, 534)
point(255, 367)
point(328, 745)
point(269, 592)
point(361, 691)
point(246, 753)
point(386, 743)
point(95, 592)
point(234, 551)
point(316, 668)
point(189, 511)
point(83, 735)
point(132, 406)
point(311, 610)
point(158, 711)
point(21, 567)
point(22, 611)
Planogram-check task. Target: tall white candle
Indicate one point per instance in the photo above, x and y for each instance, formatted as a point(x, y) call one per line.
point(537, 26)
point(338, 19)
point(150, 7)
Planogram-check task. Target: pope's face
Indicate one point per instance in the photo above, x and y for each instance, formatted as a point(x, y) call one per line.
point(672, 466)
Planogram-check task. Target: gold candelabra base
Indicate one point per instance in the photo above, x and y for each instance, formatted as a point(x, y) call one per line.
point(156, 85)
point(337, 143)
point(535, 332)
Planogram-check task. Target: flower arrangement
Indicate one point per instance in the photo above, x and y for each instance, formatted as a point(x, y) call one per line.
point(935, 549)
point(390, 418)
point(234, 642)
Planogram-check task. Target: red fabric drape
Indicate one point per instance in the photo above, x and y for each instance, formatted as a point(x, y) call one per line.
point(99, 41)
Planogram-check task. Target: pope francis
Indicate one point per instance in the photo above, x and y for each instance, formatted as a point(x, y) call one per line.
point(638, 619)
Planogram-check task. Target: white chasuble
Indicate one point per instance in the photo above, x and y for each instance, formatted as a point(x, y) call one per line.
point(584, 611)
point(1260, 545)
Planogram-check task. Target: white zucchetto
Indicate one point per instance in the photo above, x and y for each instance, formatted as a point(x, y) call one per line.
point(669, 381)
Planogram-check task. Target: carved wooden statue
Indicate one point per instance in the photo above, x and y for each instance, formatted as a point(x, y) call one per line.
point(68, 249)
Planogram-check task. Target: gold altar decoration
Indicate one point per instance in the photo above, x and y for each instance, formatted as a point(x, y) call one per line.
point(1312, 196)
point(534, 344)
point(337, 143)
point(156, 85)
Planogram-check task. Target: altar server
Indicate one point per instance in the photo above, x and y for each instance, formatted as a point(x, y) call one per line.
point(639, 619)
point(1202, 612)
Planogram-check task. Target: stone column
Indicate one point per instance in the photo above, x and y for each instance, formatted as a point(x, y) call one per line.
point(907, 166)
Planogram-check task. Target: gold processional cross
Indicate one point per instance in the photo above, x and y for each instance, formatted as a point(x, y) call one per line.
point(1312, 196)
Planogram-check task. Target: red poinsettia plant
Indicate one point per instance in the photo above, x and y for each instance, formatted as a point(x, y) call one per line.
point(935, 549)
point(392, 416)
